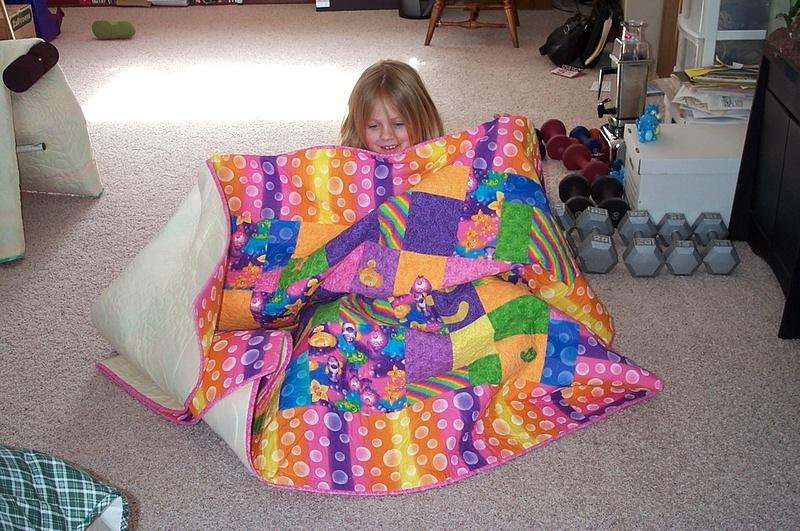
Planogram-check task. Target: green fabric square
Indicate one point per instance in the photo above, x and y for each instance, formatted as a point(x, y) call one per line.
point(485, 370)
point(524, 315)
point(514, 233)
point(306, 267)
point(325, 313)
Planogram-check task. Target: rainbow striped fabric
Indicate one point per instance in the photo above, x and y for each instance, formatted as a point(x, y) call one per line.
point(439, 324)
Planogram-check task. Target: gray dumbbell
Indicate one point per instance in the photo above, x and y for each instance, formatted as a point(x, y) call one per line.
point(718, 253)
point(596, 251)
point(642, 257)
point(681, 253)
point(563, 216)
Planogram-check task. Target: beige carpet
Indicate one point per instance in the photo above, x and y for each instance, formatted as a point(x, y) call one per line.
point(717, 449)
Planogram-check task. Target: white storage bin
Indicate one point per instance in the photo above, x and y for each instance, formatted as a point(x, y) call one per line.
point(689, 169)
point(703, 24)
point(747, 52)
point(692, 15)
point(743, 15)
point(690, 51)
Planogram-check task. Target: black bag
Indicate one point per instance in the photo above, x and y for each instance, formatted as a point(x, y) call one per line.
point(566, 43)
point(580, 40)
point(600, 26)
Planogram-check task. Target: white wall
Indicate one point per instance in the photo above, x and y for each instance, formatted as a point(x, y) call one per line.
point(650, 11)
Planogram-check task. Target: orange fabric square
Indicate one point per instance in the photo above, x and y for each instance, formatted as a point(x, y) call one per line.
point(234, 313)
point(522, 356)
point(411, 265)
point(450, 181)
point(494, 292)
point(312, 236)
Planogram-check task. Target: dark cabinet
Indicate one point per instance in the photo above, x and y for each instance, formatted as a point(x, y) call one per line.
point(766, 208)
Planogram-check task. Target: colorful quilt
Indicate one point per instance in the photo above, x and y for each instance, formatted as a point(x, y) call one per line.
point(364, 324)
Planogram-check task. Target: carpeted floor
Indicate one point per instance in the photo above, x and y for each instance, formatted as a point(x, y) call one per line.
point(719, 448)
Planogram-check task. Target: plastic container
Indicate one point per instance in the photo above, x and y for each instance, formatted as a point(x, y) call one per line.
point(739, 51)
point(690, 51)
point(743, 15)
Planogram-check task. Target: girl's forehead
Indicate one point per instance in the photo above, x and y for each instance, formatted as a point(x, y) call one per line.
point(383, 105)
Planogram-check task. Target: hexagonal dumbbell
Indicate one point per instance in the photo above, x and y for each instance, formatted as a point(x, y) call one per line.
point(564, 217)
point(680, 254)
point(718, 253)
point(596, 251)
point(642, 257)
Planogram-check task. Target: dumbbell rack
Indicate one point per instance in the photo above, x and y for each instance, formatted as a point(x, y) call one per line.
point(683, 248)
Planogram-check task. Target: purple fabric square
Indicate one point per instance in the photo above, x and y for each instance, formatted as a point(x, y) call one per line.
point(364, 230)
point(427, 355)
point(432, 224)
point(383, 180)
point(485, 148)
point(273, 190)
point(459, 307)
point(376, 271)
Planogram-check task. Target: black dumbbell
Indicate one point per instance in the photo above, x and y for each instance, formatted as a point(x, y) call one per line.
point(718, 253)
point(574, 190)
point(642, 257)
point(681, 253)
point(606, 191)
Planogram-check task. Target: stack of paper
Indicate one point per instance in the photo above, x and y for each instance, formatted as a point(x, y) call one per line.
point(700, 103)
point(715, 93)
point(721, 76)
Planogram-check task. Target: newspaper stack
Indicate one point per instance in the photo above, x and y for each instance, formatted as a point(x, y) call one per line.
point(716, 93)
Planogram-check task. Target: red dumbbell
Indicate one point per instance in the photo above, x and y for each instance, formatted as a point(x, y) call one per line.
point(577, 157)
point(554, 134)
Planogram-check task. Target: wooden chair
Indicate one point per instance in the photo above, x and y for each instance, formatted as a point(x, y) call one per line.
point(474, 8)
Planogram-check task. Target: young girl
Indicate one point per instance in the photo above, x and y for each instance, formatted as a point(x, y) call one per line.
point(389, 110)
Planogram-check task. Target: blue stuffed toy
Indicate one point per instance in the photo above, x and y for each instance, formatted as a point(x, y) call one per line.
point(649, 123)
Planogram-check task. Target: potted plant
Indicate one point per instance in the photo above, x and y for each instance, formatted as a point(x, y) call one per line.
point(792, 20)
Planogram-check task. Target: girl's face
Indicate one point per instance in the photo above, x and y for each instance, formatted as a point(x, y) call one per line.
point(386, 130)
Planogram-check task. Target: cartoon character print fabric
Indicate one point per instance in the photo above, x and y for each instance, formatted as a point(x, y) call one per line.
point(439, 323)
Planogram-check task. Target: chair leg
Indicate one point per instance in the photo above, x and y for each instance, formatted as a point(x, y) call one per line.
point(436, 14)
point(511, 19)
point(516, 13)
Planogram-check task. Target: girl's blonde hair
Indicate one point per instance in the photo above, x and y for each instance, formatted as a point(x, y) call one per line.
point(399, 84)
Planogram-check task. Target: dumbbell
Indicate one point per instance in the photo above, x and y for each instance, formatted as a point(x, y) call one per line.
point(575, 191)
point(681, 253)
point(564, 217)
point(642, 256)
point(718, 253)
point(608, 192)
point(596, 252)
point(554, 134)
point(585, 137)
point(577, 157)
point(542, 149)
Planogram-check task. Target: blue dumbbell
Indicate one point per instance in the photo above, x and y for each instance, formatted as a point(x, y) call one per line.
point(585, 138)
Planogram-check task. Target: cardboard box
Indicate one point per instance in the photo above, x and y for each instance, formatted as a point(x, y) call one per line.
point(689, 169)
point(21, 18)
